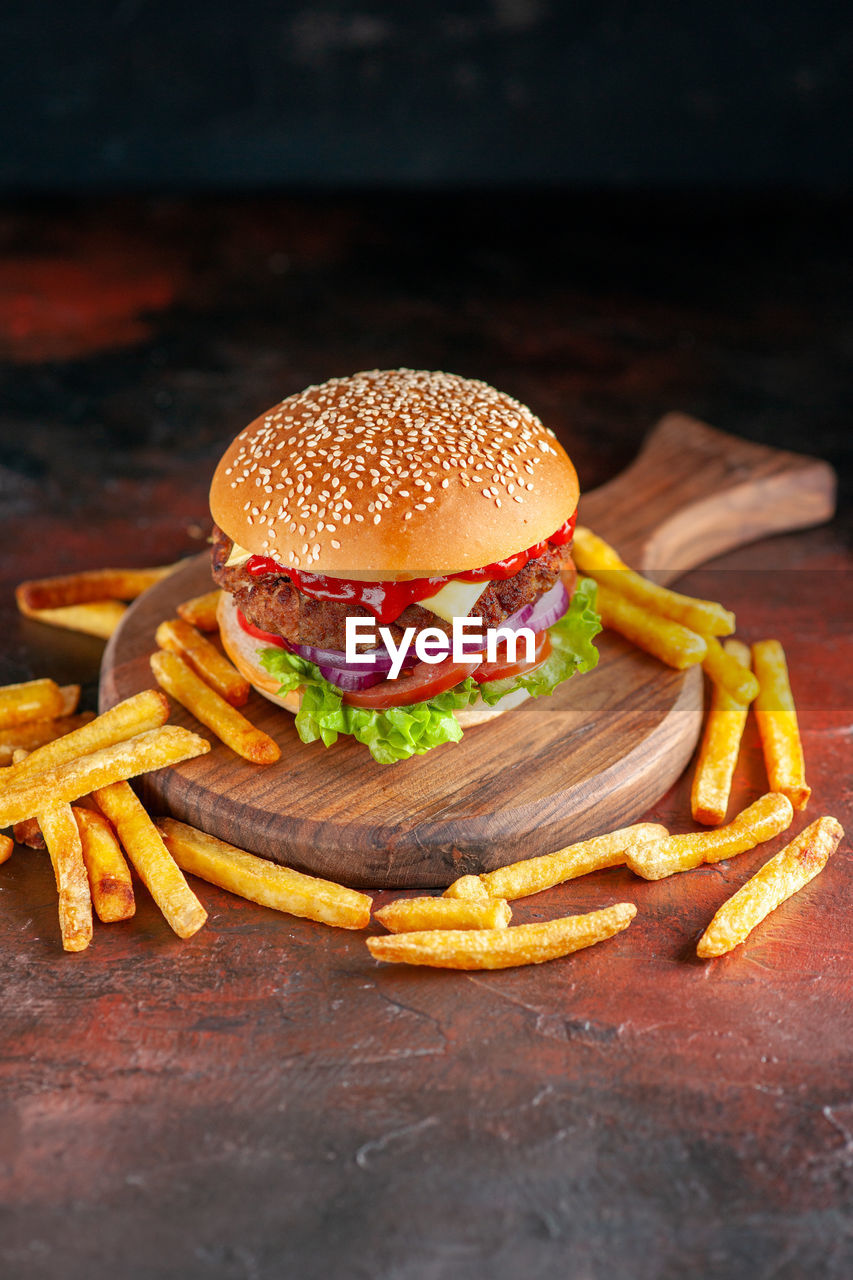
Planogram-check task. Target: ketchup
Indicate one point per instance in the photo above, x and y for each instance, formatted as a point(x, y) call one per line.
point(387, 600)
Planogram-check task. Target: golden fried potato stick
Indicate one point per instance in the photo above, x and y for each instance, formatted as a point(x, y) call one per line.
point(777, 724)
point(783, 875)
point(67, 782)
point(468, 888)
point(728, 673)
point(70, 698)
point(758, 822)
point(593, 556)
point(27, 737)
point(412, 915)
point(146, 710)
point(29, 833)
point(87, 587)
point(666, 640)
point(66, 853)
point(109, 875)
point(520, 879)
point(238, 733)
point(180, 637)
point(200, 612)
point(97, 618)
point(30, 700)
point(503, 948)
point(154, 864)
point(7, 844)
point(715, 766)
point(264, 882)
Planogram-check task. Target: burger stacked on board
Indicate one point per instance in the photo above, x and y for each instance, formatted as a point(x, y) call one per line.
point(404, 500)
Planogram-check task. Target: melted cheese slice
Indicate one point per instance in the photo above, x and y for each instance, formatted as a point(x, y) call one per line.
point(238, 556)
point(456, 600)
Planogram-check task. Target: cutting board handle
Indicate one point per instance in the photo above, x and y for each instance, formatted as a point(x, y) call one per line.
point(694, 492)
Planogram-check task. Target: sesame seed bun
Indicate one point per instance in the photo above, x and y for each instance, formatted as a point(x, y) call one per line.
point(243, 649)
point(393, 473)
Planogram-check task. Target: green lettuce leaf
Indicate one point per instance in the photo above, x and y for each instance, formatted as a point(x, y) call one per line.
point(400, 732)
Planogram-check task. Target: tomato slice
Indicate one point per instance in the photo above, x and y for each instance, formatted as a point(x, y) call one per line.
point(252, 630)
point(502, 668)
point(420, 684)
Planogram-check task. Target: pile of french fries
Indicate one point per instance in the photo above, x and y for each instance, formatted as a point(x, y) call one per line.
point(66, 787)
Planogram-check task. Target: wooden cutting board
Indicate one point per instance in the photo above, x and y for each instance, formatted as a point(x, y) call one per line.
point(595, 755)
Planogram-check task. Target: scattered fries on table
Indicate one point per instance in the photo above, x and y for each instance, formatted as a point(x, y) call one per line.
point(783, 875)
point(761, 821)
point(727, 672)
point(520, 879)
point(200, 612)
point(777, 724)
point(503, 948)
point(263, 881)
point(718, 753)
point(109, 875)
point(238, 733)
point(154, 864)
point(468, 887)
point(66, 853)
point(412, 915)
point(96, 618)
point(671, 642)
point(594, 557)
point(68, 782)
point(7, 846)
point(87, 587)
point(180, 637)
point(36, 733)
point(31, 700)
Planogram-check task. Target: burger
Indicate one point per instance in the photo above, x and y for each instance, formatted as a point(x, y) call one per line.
point(366, 524)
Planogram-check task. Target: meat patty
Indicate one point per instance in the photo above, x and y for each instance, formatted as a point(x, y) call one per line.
point(273, 603)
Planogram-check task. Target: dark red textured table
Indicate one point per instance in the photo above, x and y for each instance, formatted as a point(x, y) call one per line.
point(264, 1100)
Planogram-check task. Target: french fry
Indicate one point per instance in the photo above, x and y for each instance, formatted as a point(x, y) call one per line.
point(758, 822)
point(70, 698)
point(29, 833)
point(109, 875)
point(413, 915)
point(200, 612)
point(31, 700)
point(726, 672)
point(783, 875)
point(97, 618)
point(502, 948)
point(595, 557)
point(712, 781)
point(669, 641)
point(68, 782)
point(180, 637)
point(137, 714)
point(86, 587)
point(777, 724)
point(468, 888)
point(261, 881)
point(238, 733)
point(66, 853)
point(7, 845)
point(520, 879)
point(155, 865)
point(37, 733)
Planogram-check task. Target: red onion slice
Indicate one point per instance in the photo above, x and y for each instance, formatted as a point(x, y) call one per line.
point(542, 613)
point(350, 681)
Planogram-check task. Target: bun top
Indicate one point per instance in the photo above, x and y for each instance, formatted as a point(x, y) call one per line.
point(393, 473)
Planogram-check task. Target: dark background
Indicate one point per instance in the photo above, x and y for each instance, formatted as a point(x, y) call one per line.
point(210, 93)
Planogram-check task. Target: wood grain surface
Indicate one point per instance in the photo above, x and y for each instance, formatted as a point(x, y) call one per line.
point(593, 756)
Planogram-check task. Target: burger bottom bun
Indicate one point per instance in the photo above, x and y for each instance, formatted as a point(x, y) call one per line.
point(242, 649)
